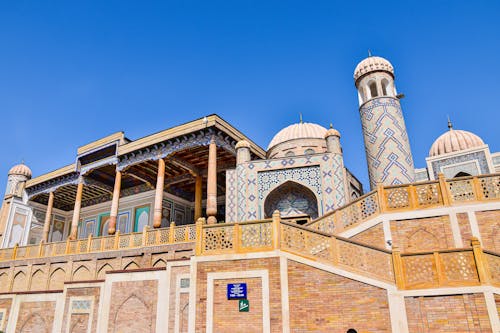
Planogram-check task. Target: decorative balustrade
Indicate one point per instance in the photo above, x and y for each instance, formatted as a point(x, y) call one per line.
point(458, 267)
point(149, 237)
point(249, 236)
point(493, 263)
point(386, 199)
point(440, 269)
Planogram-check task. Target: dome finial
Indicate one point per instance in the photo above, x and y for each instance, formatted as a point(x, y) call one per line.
point(331, 125)
point(450, 125)
point(369, 53)
point(300, 116)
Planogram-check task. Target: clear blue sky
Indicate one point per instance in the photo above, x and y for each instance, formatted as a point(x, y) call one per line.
point(74, 71)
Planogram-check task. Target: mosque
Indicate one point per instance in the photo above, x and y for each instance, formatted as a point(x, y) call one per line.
point(198, 229)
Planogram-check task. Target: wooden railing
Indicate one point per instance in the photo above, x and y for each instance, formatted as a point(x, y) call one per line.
point(407, 197)
point(275, 233)
point(148, 237)
point(445, 268)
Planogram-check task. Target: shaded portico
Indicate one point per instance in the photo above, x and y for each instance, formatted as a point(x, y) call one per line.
point(187, 162)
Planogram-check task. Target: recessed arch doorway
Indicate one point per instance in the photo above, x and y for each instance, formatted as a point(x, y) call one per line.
point(291, 199)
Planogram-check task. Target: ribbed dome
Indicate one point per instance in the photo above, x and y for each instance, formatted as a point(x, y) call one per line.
point(20, 169)
point(455, 140)
point(298, 131)
point(372, 64)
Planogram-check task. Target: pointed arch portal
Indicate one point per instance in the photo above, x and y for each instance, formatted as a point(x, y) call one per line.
point(291, 199)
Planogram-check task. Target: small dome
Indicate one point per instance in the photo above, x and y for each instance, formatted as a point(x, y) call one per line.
point(298, 131)
point(20, 169)
point(372, 64)
point(332, 132)
point(242, 144)
point(455, 140)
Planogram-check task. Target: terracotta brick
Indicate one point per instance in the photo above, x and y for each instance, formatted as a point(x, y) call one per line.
point(465, 230)
point(272, 265)
point(497, 302)
point(133, 306)
point(489, 227)
point(452, 313)
point(424, 234)
point(78, 321)
point(175, 271)
point(324, 302)
point(373, 236)
point(184, 313)
point(6, 303)
point(226, 312)
point(36, 317)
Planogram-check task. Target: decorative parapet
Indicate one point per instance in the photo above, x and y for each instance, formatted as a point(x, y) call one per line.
point(446, 268)
point(149, 237)
point(407, 197)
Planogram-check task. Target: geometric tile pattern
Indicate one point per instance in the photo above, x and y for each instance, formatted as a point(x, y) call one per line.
point(231, 195)
point(386, 142)
point(478, 156)
point(248, 185)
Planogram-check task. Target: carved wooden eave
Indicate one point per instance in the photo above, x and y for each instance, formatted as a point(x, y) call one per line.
point(52, 184)
point(213, 121)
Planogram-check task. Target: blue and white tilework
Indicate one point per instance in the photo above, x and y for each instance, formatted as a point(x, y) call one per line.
point(323, 174)
point(478, 156)
point(386, 142)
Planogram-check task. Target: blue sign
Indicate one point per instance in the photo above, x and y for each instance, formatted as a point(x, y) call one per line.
point(236, 291)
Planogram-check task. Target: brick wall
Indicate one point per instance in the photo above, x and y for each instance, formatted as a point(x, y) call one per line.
point(184, 313)
point(489, 225)
point(5, 303)
point(270, 264)
point(4, 280)
point(373, 236)
point(425, 234)
point(465, 230)
point(36, 317)
point(80, 321)
point(133, 306)
point(497, 301)
point(226, 312)
point(175, 271)
point(325, 302)
point(453, 313)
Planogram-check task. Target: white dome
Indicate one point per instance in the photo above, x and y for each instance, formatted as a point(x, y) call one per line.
point(372, 64)
point(20, 169)
point(455, 140)
point(298, 131)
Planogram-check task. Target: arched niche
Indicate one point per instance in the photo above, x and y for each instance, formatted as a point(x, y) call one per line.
point(291, 199)
point(462, 174)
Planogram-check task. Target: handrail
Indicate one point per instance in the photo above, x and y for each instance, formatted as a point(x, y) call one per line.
point(407, 197)
point(412, 270)
point(118, 241)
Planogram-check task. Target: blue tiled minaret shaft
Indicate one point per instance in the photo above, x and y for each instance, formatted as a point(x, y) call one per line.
point(387, 145)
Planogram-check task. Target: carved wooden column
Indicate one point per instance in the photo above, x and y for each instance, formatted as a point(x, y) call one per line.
point(76, 211)
point(160, 181)
point(115, 203)
point(198, 197)
point(212, 183)
point(48, 215)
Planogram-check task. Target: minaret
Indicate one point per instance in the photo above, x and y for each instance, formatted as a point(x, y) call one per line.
point(16, 181)
point(387, 146)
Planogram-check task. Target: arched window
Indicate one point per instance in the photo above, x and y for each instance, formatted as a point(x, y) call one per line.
point(309, 151)
point(361, 95)
point(290, 154)
point(291, 199)
point(385, 87)
point(462, 174)
point(373, 89)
